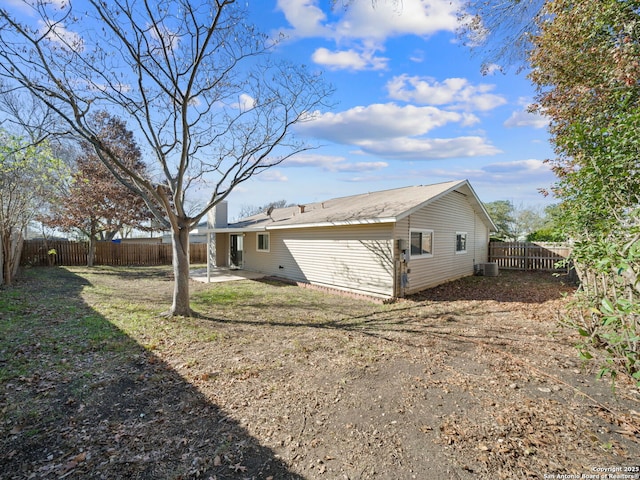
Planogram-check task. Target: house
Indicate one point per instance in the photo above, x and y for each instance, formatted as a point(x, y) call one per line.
point(386, 244)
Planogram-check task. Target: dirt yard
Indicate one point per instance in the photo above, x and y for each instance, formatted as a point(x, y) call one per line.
point(473, 379)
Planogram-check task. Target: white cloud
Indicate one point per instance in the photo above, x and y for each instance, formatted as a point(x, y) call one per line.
point(362, 166)
point(117, 87)
point(349, 59)
point(523, 118)
point(492, 68)
point(367, 27)
point(326, 162)
point(331, 163)
point(393, 131)
point(518, 172)
point(526, 168)
point(418, 56)
point(305, 17)
point(165, 38)
point(30, 5)
point(387, 19)
point(245, 102)
point(363, 20)
point(429, 148)
point(456, 92)
point(520, 179)
point(378, 121)
point(58, 34)
point(272, 176)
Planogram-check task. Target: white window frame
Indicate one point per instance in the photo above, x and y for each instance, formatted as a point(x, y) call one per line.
point(268, 236)
point(423, 232)
point(466, 239)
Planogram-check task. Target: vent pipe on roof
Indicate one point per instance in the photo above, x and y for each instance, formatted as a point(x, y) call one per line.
point(301, 207)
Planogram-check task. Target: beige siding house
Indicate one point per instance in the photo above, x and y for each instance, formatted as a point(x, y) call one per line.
point(386, 244)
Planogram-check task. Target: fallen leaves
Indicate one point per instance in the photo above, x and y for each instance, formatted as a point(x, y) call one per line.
point(67, 468)
point(238, 468)
point(392, 387)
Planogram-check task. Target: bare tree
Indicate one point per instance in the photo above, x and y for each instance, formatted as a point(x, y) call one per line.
point(250, 210)
point(195, 82)
point(502, 32)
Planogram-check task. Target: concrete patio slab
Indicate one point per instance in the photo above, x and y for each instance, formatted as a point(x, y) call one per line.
point(223, 275)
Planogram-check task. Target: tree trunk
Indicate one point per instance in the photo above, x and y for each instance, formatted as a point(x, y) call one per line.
point(180, 244)
point(91, 254)
point(10, 257)
point(2, 257)
point(17, 253)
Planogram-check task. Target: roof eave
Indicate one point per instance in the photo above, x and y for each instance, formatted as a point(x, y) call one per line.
point(261, 228)
point(341, 223)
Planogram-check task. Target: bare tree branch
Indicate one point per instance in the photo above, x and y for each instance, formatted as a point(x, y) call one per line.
point(193, 80)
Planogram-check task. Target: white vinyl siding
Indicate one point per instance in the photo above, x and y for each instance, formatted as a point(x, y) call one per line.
point(447, 217)
point(481, 242)
point(360, 258)
point(356, 258)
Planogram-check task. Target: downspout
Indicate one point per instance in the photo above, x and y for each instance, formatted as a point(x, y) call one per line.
point(403, 260)
point(396, 271)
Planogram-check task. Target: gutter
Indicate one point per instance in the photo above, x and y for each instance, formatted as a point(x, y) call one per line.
point(370, 221)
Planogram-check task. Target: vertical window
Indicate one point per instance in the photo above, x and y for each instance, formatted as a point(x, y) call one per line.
point(421, 243)
point(263, 242)
point(461, 242)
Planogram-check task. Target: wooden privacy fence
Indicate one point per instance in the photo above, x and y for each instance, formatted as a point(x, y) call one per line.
point(35, 252)
point(529, 255)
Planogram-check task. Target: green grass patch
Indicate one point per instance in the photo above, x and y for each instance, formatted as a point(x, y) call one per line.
point(55, 317)
point(230, 293)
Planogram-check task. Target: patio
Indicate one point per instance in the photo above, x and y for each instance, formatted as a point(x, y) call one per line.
point(223, 274)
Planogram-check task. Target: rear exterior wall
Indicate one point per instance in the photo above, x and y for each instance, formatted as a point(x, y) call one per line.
point(355, 258)
point(446, 217)
point(221, 250)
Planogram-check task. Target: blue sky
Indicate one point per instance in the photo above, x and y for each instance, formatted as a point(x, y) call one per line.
point(411, 106)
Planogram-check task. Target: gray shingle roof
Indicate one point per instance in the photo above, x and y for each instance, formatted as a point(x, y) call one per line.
point(374, 207)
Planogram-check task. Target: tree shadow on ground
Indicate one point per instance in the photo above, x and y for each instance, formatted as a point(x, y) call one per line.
point(435, 312)
point(139, 272)
point(407, 323)
point(80, 399)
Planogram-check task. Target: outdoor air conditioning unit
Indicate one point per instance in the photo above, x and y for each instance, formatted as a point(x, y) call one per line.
point(486, 269)
point(490, 269)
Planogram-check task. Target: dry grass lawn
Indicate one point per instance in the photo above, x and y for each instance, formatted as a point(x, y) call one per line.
point(474, 379)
